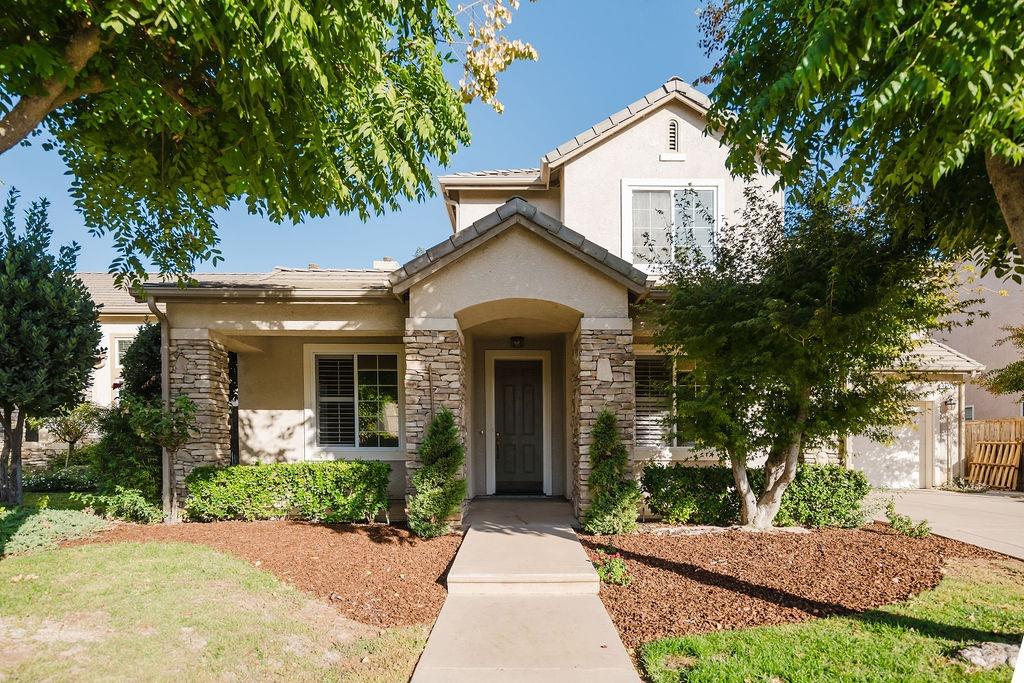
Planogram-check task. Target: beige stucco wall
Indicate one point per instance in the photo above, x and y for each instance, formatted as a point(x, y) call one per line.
point(517, 265)
point(979, 342)
point(271, 401)
point(477, 456)
point(112, 328)
point(369, 317)
point(475, 204)
point(592, 181)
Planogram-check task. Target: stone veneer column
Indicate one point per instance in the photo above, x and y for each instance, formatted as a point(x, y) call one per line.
point(435, 376)
point(199, 370)
point(604, 376)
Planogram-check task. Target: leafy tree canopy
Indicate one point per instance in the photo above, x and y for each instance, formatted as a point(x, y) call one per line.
point(1009, 379)
point(49, 333)
point(799, 330)
point(919, 102)
point(167, 110)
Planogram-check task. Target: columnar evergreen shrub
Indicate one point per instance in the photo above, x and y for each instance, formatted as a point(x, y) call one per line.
point(820, 495)
point(334, 491)
point(124, 458)
point(614, 498)
point(439, 490)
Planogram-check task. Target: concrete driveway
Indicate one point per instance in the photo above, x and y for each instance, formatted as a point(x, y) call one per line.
point(993, 520)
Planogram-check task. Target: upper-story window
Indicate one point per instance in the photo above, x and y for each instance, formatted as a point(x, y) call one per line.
point(662, 217)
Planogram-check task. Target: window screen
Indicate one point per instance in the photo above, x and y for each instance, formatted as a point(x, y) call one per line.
point(652, 225)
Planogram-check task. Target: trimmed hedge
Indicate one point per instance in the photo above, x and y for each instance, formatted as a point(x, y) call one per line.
point(335, 491)
point(819, 496)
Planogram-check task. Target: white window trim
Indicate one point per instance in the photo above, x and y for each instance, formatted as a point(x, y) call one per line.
point(314, 451)
point(628, 185)
point(970, 408)
point(115, 362)
point(519, 354)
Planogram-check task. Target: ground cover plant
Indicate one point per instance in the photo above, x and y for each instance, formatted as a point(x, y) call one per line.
point(903, 524)
point(976, 601)
point(335, 491)
point(31, 529)
point(183, 612)
point(730, 579)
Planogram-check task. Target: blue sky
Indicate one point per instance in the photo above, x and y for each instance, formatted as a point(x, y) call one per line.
point(596, 56)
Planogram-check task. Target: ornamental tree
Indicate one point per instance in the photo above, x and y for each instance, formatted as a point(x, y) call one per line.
point(799, 330)
point(71, 425)
point(49, 334)
point(919, 102)
point(140, 367)
point(167, 110)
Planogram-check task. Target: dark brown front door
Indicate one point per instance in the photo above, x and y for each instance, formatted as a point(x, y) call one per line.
point(518, 427)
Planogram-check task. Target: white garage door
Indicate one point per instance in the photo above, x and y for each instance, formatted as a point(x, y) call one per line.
point(902, 464)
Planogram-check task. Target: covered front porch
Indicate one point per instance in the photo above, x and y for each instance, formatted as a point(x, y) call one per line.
point(517, 325)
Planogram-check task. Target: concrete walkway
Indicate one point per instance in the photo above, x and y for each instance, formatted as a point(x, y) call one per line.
point(993, 520)
point(522, 603)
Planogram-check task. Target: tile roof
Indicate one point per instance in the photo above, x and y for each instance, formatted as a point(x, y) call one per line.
point(353, 280)
point(114, 300)
point(934, 356)
point(674, 88)
point(496, 173)
point(532, 218)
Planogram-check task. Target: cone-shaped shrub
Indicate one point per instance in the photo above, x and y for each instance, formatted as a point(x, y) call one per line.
point(614, 498)
point(439, 491)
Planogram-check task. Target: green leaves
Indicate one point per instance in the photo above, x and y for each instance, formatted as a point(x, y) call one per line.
point(300, 109)
point(906, 97)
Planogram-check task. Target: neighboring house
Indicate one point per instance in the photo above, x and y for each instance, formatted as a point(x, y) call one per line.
point(120, 318)
point(522, 322)
point(1003, 300)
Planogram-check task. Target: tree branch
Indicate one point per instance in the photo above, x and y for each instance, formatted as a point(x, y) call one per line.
point(1008, 182)
point(30, 111)
point(174, 90)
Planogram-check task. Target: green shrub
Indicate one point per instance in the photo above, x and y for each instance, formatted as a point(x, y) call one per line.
point(438, 490)
point(140, 366)
point(73, 478)
point(902, 524)
point(335, 491)
point(819, 496)
point(123, 458)
point(614, 498)
point(28, 529)
point(127, 505)
point(824, 496)
point(611, 568)
point(682, 494)
point(84, 455)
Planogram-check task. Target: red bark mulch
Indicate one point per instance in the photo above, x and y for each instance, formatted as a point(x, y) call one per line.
point(737, 579)
point(378, 575)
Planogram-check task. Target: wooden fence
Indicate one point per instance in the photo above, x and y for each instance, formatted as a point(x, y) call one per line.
point(977, 431)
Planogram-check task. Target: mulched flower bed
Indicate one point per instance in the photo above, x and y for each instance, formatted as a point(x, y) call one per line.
point(375, 574)
point(737, 579)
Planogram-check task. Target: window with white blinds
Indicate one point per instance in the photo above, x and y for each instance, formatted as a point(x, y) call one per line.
point(665, 218)
point(357, 400)
point(653, 400)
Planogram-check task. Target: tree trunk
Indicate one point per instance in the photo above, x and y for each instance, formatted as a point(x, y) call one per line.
point(70, 454)
point(10, 458)
point(759, 511)
point(30, 110)
point(1008, 182)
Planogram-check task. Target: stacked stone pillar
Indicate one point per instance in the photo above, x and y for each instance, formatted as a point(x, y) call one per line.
point(603, 367)
point(199, 370)
point(435, 377)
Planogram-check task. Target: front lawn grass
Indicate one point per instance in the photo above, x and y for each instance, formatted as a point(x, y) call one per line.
point(54, 500)
point(173, 612)
point(910, 641)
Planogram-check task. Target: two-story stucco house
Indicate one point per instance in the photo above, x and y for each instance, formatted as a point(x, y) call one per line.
point(521, 322)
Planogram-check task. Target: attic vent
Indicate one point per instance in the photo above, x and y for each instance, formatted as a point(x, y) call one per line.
point(673, 136)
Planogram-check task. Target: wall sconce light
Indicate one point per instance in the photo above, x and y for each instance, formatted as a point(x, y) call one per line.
point(517, 342)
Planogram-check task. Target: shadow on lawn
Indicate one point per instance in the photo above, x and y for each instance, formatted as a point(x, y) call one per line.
point(809, 606)
point(12, 519)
